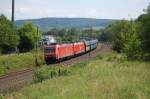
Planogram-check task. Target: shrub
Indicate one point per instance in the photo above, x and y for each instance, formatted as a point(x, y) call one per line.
point(42, 73)
point(45, 72)
point(133, 49)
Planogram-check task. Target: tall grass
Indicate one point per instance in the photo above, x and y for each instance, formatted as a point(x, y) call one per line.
point(9, 63)
point(107, 77)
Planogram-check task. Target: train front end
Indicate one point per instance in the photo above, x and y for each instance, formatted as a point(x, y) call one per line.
point(50, 53)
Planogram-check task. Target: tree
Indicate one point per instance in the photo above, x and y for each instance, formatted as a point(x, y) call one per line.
point(124, 32)
point(144, 21)
point(28, 36)
point(119, 30)
point(105, 35)
point(132, 48)
point(88, 32)
point(8, 35)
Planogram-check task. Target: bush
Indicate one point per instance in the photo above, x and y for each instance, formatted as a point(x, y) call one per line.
point(133, 49)
point(42, 73)
point(45, 72)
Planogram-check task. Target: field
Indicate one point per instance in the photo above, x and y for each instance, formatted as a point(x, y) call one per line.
point(15, 62)
point(108, 76)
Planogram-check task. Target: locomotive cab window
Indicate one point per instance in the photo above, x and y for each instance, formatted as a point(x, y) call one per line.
point(50, 49)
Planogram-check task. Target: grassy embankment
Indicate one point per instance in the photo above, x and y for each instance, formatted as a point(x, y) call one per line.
point(14, 62)
point(109, 76)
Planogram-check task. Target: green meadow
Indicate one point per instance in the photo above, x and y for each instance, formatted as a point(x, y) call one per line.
point(108, 76)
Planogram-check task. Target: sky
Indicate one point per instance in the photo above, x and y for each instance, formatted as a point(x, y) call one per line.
point(100, 9)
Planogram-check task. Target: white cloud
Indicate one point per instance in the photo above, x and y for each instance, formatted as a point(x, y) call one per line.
point(93, 13)
point(24, 10)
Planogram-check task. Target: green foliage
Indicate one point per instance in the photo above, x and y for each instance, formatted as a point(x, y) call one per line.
point(100, 79)
point(146, 57)
point(81, 64)
point(123, 31)
point(133, 37)
point(133, 49)
point(127, 38)
point(113, 57)
point(29, 37)
point(74, 34)
point(148, 9)
point(100, 56)
point(9, 63)
point(8, 35)
point(45, 72)
point(105, 35)
point(65, 35)
point(88, 32)
point(144, 20)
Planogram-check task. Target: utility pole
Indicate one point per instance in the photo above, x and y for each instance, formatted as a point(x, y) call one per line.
point(13, 10)
point(13, 21)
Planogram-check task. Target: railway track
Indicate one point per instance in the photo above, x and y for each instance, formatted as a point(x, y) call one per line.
point(15, 81)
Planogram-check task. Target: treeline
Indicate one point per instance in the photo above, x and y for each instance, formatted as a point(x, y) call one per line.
point(24, 38)
point(64, 35)
point(133, 37)
point(75, 34)
point(13, 39)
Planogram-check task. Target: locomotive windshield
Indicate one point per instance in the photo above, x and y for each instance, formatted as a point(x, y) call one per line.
point(49, 49)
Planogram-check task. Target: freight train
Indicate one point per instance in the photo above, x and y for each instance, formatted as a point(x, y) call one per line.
point(56, 52)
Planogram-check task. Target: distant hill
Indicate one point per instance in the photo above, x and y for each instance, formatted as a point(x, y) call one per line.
point(47, 23)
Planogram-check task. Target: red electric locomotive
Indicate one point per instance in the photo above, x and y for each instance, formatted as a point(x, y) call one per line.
point(57, 52)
